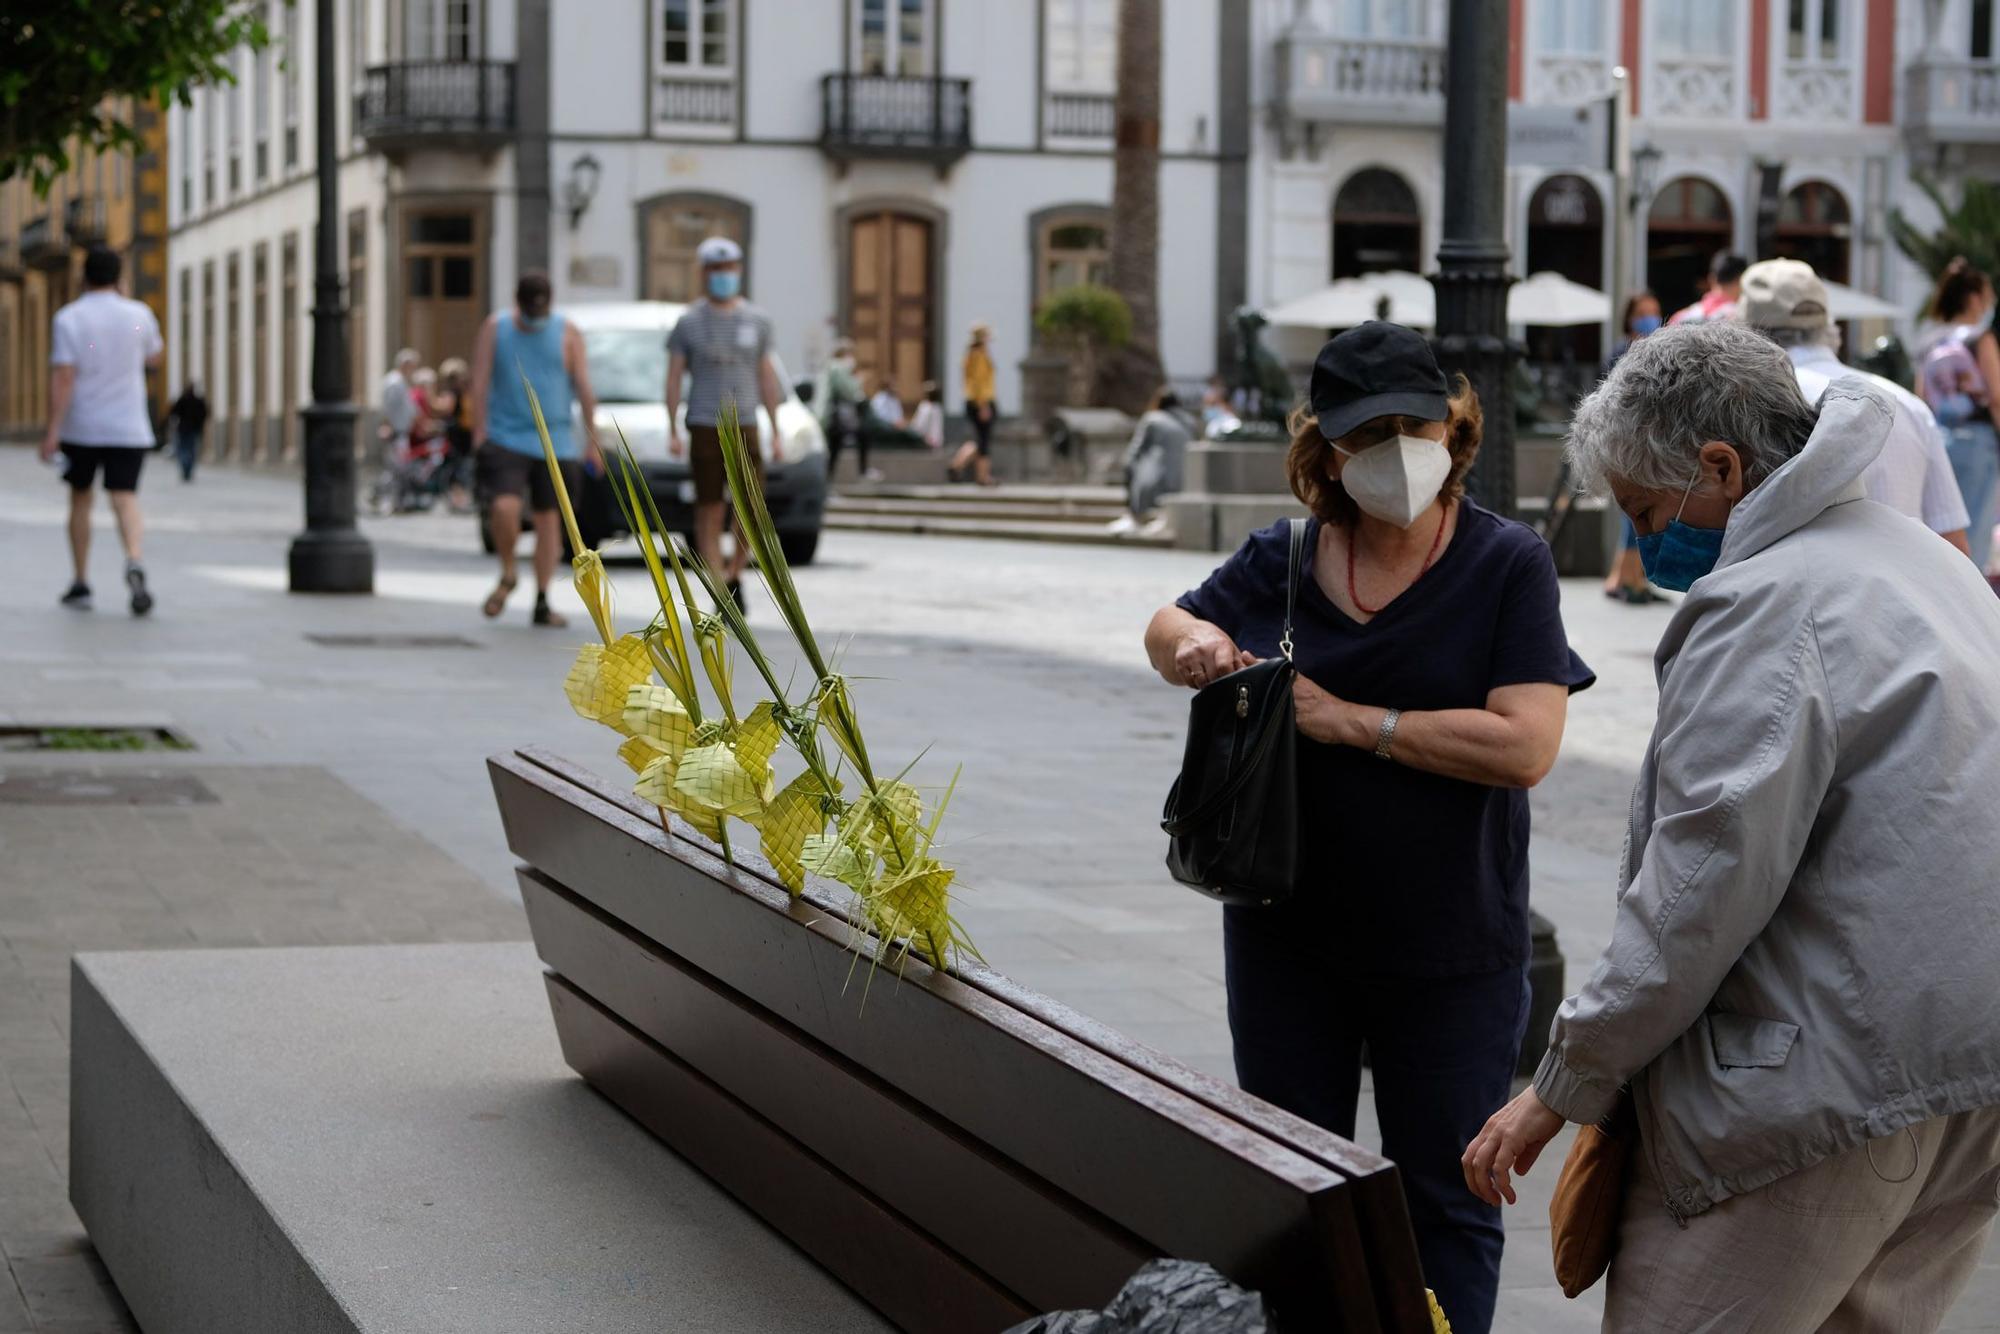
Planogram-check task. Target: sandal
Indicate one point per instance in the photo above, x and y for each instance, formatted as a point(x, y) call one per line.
point(496, 601)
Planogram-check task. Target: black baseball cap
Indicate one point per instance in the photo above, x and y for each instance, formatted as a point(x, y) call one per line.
point(1377, 369)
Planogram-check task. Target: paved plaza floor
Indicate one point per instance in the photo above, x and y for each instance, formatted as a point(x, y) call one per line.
point(340, 797)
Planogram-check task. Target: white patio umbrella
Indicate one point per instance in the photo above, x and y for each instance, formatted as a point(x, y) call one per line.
point(1549, 299)
point(1845, 303)
point(1352, 301)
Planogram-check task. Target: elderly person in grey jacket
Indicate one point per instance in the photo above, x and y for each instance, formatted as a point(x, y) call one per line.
point(1802, 989)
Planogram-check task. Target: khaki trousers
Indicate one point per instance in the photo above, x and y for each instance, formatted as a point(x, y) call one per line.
point(1834, 1247)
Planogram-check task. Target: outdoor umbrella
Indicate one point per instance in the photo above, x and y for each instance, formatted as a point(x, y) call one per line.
point(1352, 301)
point(1845, 303)
point(1549, 299)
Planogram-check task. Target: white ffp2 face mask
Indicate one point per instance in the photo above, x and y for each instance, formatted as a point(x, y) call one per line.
point(1398, 479)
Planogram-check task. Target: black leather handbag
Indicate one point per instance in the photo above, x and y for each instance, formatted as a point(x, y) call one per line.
point(1232, 818)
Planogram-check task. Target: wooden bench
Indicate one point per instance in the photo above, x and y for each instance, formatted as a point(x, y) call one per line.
point(962, 1152)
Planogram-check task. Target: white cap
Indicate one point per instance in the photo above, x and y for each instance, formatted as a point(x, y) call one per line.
point(718, 250)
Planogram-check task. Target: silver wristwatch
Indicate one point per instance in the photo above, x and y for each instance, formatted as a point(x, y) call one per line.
point(1386, 738)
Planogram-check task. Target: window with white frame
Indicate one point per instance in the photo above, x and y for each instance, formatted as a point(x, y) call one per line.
point(440, 30)
point(232, 111)
point(188, 149)
point(260, 99)
point(292, 58)
point(1569, 27)
point(1382, 19)
point(1813, 33)
point(211, 148)
point(1700, 28)
point(697, 38)
point(1082, 46)
point(893, 37)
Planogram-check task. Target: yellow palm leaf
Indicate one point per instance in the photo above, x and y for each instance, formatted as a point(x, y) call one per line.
point(711, 777)
point(914, 908)
point(639, 752)
point(654, 712)
point(602, 676)
point(795, 815)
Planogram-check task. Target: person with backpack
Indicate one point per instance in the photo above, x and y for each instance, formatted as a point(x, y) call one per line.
point(1959, 371)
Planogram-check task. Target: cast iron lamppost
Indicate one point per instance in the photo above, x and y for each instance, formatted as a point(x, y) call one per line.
point(1472, 278)
point(331, 555)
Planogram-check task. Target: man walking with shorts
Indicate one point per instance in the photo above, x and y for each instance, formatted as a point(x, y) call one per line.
point(98, 419)
point(533, 341)
point(723, 344)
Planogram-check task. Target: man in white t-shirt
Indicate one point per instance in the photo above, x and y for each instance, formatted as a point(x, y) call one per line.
point(1784, 300)
point(399, 405)
point(98, 419)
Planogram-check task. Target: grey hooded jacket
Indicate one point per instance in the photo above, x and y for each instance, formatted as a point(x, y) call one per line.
point(1806, 951)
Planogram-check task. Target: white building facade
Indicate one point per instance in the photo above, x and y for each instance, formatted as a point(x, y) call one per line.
point(897, 169)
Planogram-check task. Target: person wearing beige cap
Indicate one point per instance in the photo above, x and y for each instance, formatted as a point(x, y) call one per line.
point(1784, 300)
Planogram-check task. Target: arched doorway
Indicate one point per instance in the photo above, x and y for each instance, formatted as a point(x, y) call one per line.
point(1566, 236)
point(671, 227)
point(1376, 225)
point(1690, 221)
point(1814, 225)
point(889, 298)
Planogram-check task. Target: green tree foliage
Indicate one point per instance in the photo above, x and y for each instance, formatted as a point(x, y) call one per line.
point(1086, 312)
point(65, 63)
point(1970, 228)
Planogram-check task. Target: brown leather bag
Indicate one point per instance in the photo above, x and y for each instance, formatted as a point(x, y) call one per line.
point(1590, 1194)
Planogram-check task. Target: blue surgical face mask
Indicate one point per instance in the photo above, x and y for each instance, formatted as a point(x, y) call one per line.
point(1680, 553)
point(1644, 325)
point(724, 284)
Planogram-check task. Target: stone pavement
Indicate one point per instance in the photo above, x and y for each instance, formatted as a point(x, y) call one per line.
point(352, 804)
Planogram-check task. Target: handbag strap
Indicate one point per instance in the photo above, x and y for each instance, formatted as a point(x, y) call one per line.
point(1292, 573)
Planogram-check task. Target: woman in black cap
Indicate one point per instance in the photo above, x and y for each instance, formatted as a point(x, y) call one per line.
point(1434, 674)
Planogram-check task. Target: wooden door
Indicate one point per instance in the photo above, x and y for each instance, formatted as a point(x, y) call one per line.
point(674, 229)
point(444, 267)
point(891, 317)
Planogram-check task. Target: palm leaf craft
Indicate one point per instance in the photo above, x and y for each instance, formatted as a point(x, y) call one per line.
point(699, 755)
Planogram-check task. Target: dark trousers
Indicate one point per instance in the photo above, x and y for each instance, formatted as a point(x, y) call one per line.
point(1443, 1052)
point(187, 448)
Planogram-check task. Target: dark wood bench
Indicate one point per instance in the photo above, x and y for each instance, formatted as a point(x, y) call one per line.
point(962, 1152)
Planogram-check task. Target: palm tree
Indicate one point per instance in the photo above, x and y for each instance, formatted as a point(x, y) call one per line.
point(1971, 228)
point(1128, 378)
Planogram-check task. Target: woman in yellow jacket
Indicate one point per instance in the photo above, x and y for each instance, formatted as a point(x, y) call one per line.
point(980, 407)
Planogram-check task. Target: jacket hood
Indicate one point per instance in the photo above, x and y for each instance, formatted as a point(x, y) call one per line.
point(1854, 421)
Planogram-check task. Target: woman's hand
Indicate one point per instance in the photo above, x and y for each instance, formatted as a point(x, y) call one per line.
point(1203, 654)
point(1323, 716)
point(1513, 1139)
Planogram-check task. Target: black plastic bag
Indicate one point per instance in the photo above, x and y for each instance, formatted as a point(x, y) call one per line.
point(1165, 1297)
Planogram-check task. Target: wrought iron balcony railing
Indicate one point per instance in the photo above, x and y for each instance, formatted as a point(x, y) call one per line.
point(878, 115)
point(44, 244)
point(87, 220)
point(436, 103)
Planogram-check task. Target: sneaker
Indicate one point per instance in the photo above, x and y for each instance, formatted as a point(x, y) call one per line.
point(78, 596)
point(1122, 525)
point(135, 579)
point(547, 615)
point(1155, 527)
point(874, 475)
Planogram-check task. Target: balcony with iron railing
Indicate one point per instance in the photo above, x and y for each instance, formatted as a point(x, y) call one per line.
point(1951, 101)
point(436, 104)
point(44, 245)
point(1079, 116)
point(891, 116)
point(1325, 79)
point(87, 219)
point(10, 260)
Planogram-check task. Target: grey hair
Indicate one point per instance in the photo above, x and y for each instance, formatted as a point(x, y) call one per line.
point(1675, 391)
point(1825, 336)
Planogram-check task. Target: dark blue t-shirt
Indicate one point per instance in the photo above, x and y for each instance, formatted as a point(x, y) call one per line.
point(1416, 874)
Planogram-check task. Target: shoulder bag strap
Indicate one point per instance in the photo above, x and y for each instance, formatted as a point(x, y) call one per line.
point(1292, 574)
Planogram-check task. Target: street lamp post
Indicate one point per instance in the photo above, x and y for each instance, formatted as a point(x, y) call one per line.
point(331, 555)
point(1472, 278)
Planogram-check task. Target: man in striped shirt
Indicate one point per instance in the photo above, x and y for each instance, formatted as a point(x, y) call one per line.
point(722, 345)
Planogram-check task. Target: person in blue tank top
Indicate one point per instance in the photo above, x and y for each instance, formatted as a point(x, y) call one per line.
point(529, 341)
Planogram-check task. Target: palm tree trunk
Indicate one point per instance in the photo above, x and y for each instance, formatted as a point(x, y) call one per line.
point(1127, 378)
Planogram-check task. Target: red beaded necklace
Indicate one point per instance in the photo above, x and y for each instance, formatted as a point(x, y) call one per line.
point(1444, 513)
